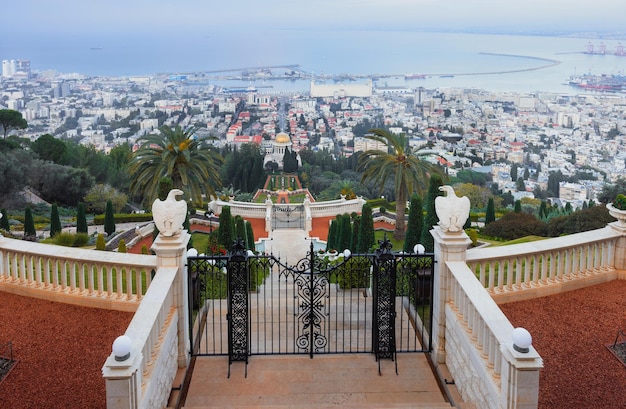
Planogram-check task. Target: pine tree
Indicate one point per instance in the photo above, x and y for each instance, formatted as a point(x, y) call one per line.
point(121, 247)
point(55, 221)
point(4, 221)
point(518, 206)
point(225, 231)
point(431, 219)
point(415, 225)
point(490, 213)
point(366, 230)
point(109, 219)
point(81, 219)
point(29, 225)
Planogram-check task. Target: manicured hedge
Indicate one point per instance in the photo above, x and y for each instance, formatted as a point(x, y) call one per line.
point(124, 218)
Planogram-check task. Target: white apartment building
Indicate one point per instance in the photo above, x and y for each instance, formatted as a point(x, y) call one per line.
point(365, 144)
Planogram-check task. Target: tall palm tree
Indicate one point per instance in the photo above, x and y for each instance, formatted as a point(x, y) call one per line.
point(175, 153)
point(410, 173)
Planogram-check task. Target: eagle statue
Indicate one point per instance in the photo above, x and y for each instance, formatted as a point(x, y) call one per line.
point(169, 214)
point(451, 210)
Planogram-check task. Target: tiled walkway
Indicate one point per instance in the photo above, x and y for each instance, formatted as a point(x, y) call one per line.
point(327, 380)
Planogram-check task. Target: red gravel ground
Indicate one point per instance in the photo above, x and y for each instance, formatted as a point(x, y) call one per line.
point(570, 331)
point(60, 350)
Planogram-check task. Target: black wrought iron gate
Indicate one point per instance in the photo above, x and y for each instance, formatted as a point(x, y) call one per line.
point(288, 216)
point(242, 304)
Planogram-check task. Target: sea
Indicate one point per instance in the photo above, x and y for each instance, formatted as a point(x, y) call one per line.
point(516, 63)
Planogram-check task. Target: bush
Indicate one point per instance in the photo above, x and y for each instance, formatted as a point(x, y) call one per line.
point(64, 239)
point(81, 239)
point(124, 218)
point(355, 273)
point(121, 247)
point(514, 226)
point(473, 235)
point(144, 249)
point(101, 243)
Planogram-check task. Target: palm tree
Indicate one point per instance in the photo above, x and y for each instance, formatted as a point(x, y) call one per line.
point(178, 154)
point(410, 173)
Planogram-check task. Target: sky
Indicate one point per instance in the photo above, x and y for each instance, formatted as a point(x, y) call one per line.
point(182, 16)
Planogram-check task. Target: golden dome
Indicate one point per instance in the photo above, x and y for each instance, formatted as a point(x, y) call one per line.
point(283, 138)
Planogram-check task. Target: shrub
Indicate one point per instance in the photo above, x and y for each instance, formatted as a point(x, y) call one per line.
point(101, 243)
point(473, 235)
point(121, 247)
point(355, 273)
point(144, 249)
point(620, 202)
point(514, 226)
point(80, 239)
point(64, 239)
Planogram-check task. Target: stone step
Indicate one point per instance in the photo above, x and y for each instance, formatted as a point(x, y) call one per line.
point(418, 405)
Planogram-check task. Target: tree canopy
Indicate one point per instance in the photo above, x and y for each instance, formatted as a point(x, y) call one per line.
point(179, 154)
point(11, 119)
point(400, 162)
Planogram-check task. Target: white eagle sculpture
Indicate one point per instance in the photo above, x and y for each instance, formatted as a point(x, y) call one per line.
point(169, 214)
point(451, 210)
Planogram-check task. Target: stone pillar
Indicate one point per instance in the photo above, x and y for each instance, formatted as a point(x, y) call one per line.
point(123, 382)
point(449, 246)
point(520, 378)
point(171, 251)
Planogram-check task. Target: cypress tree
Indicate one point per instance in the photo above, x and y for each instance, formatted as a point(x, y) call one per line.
point(490, 214)
point(332, 232)
point(356, 227)
point(55, 221)
point(518, 206)
point(366, 230)
point(225, 231)
point(415, 225)
point(109, 219)
point(250, 236)
point(431, 219)
point(29, 225)
point(165, 185)
point(346, 232)
point(240, 230)
point(338, 233)
point(81, 219)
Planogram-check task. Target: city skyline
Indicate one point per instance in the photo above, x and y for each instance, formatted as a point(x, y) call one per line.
point(115, 16)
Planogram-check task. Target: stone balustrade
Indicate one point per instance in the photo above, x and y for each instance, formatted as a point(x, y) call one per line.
point(84, 277)
point(488, 371)
point(148, 374)
point(528, 270)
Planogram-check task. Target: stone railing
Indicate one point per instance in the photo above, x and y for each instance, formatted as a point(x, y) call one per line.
point(335, 207)
point(487, 369)
point(529, 270)
point(158, 334)
point(243, 209)
point(85, 277)
point(144, 380)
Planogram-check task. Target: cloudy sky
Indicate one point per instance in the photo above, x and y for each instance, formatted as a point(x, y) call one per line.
point(178, 15)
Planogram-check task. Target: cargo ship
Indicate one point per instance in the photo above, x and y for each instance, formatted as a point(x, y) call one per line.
point(602, 83)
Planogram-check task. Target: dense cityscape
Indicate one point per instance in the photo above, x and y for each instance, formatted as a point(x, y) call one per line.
point(578, 136)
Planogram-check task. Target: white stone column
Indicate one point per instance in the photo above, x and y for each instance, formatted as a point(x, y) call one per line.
point(449, 246)
point(171, 252)
point(520, 378)
point(123, 382)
